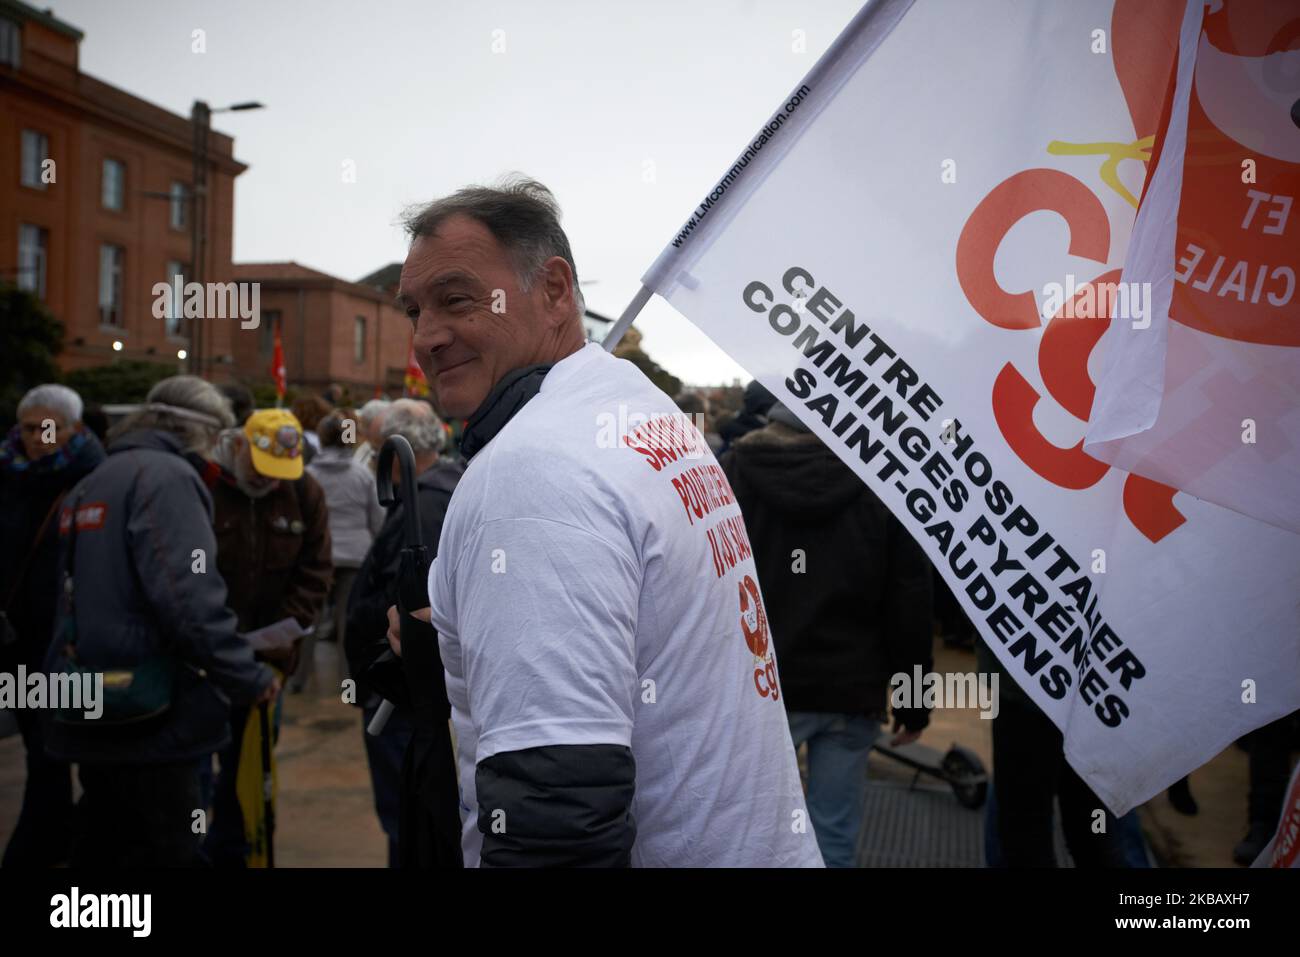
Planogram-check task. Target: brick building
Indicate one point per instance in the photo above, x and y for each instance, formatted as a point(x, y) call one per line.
point(333, 331)
point(96, 208)
point(94, 199)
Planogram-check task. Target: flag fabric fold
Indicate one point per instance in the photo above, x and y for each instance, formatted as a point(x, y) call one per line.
point(1203, 394)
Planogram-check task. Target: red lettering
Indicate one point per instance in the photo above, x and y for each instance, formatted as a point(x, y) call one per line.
point(1009, 202)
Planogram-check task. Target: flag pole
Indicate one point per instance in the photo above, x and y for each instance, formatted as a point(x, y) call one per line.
point(625, 321)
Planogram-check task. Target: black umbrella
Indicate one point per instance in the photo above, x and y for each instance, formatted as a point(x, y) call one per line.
point(418, 655)
point(429, 826)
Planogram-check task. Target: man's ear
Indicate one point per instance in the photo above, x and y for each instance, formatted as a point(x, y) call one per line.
point(556, 286)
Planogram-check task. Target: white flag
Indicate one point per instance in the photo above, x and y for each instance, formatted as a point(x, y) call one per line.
point(910, 256)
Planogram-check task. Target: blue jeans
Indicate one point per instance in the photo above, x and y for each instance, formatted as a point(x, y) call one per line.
point(838, 745)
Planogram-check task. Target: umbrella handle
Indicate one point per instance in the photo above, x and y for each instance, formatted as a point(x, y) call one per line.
point(376, 726)
point(397, 446)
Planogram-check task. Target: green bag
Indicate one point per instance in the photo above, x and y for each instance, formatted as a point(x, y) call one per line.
point(128, 695)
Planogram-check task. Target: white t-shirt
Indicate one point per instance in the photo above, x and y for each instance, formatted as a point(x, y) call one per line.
point(594, 585)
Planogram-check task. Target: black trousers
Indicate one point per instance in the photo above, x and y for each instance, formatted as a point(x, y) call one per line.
point(138, 816)
point(44, 832)
point(1270, 769)
point(1029, 770)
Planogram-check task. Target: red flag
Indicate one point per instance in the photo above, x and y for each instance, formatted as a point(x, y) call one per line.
point(277, 366)
point(415, 384)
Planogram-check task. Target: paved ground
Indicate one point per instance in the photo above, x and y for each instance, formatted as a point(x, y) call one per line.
point(326, 816)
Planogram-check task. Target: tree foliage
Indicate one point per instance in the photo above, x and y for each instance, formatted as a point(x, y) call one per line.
point(30, 338)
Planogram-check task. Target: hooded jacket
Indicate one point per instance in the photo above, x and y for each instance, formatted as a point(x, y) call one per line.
point(355, 514)
point(847, 590)
point(145, 514)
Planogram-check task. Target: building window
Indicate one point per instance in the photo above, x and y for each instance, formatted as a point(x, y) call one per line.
point(266, 331)
point(33, 244)
point(110, 285)
point(36, 149)
point(11, 42)
point(178, 203)
point(172, 323)
point(114, 184)
point(359, 339)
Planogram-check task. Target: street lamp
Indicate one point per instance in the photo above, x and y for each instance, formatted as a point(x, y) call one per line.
point(201, 120)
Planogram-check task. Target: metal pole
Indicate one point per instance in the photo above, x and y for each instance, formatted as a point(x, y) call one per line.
point(200, 120)
point(625, 321)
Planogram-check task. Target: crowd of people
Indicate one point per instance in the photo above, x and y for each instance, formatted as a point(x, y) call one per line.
point(614, 698)
point(291, 523)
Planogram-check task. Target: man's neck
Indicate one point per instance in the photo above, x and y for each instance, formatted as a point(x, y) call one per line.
point(566, 342)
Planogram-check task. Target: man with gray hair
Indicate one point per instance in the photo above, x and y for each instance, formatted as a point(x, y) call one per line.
point(416, 422)
point(411, 764)
point(150, 603)
point(608, 659)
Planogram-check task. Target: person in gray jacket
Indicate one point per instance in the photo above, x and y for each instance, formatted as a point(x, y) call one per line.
point(355, 517)
point(149, 601)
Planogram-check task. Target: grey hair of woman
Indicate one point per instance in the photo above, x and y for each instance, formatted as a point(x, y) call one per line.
point(188, 407)
point(58, 398)
point(416, 422)
point(372, 408)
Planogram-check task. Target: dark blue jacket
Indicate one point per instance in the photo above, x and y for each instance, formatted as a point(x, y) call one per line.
point(138, 594)
point(29, 569)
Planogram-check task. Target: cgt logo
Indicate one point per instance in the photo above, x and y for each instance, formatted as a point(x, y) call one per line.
point(753, 624)
point(1071, 335)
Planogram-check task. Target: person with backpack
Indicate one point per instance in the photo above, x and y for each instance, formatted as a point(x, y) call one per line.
point(273, 550)
point(133, 609)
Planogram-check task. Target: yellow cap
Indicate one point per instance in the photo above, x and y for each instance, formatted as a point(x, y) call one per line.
point(275, 439)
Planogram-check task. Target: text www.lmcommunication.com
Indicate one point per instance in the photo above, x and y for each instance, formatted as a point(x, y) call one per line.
point(765, 134)
point(1182, 923)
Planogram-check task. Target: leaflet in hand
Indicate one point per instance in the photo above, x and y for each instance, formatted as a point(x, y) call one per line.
point(277, 637)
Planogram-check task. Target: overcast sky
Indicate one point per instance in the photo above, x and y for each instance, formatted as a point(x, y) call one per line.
point(629, 112)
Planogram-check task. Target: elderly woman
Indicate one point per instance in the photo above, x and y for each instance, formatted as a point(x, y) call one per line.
point(149, 604)
point(371, 417)
point(45, 454)
point(355, 517)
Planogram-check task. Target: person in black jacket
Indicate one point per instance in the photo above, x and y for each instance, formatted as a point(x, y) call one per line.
point(411, 767)
point(44, 455)
point(848, 600)
point(753, 415)
point(148, 598)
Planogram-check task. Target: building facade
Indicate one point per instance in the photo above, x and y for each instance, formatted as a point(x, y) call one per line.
point(95, 201)
point(334, 332)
